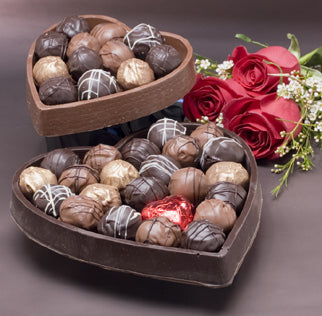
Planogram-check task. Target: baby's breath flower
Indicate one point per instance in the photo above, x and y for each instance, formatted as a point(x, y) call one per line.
point(224, 70)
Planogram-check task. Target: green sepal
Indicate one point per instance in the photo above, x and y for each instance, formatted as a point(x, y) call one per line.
point(294, 46)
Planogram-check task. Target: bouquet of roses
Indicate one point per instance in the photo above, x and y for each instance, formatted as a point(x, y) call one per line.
point(272, 99)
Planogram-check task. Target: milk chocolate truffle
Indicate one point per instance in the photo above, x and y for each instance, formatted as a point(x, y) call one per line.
point(134, 73)
point(143, 190)
point(163, 59)
point(221, 149)
point(77, 177)
point(183, 148)
point(137, 150)
point(57, 90)
point(231, 193)
point(98, 156)
point(203, 235)
point(96, 83)
point(82, 40)
point(141, 38)
point(164, 129)
point(107, 195)
point(159, 166)
point(189, 182)
point(51, 43)
point(118, 173)
point(81, 211)
point(217, 212)
point(159, 231)
point(49, 67)
point(107, 32)
point(82, 60)
point(73, 25)
point(49, 198)
point(120, 222)
point(228, 171)
point(59, 159)
point(33, 178)
point(113, 53)
point(206, 131)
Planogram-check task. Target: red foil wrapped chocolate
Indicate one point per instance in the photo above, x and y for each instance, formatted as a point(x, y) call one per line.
point(175, 207)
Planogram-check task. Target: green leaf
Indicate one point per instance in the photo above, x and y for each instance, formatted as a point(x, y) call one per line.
point(313, 58)
point(248, 40)
point(310, 71)
point(294, 46)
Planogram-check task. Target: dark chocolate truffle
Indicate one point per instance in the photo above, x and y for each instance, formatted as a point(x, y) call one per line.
point(120, 222)
point(51, 43)
point(159, 166)
point(143, 190)
point(81, 211)
point(82, 40)
point(59, 159)
point(206, 131)
point(107, 32)
point(163, 59)
point(137, 150)
point(96, 83)
point(49, 198)
point(141, 38)
point(57, 90)
point(159, 231)
point(164, 129)
point(189, 182)
point(183, 148)
point(228, 192)
point(221, 149)
point(203, 235)
point(77, 177)
point(73, 25)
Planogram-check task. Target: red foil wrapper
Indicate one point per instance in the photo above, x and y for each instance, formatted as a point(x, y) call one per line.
point(175, 207)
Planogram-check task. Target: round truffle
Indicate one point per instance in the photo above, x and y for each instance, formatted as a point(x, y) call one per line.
point(118, 173)
point(57, 90)
point(221, 149)
point(96, 83)
point(120, 222)
point(51, 43)
point(49, 198)
point(206, 131)
point(217, 212)
point(82, 40)
point(81, 211)
point(98, 156)
point(134, 73)
point(108, 31)
point(159, 231)
point(139, 192)
point(141, 38)
point(163, 59)
point(203, 235)
point(137, 150)
point(189, 182)
point(73, 25)
point(159, 166)
point(164, 129)
point(183, 148)
point(59, 159)
point(49, 67)
point(77, 177)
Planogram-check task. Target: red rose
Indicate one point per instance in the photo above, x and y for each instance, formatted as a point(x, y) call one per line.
point(253, 72)
point(208, 96)
point(259, 121)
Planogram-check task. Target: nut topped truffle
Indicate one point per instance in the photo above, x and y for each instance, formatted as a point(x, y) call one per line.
point(72, 25)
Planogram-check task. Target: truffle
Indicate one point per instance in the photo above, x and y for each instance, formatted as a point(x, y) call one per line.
point(141, 38)
point(57, 90)
point(137, 150)
point(164, 129)
point(108, 31)
point(159, 231)
point(163, 59)
point(120, 222)
point(206, 131)
point(140, 191)
point(203, 235)
point(134, 73)
point(82, 40)
point(81, 211)
point(183, 148)
point(189, 182)
point(73, 25)
point(49, 198)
